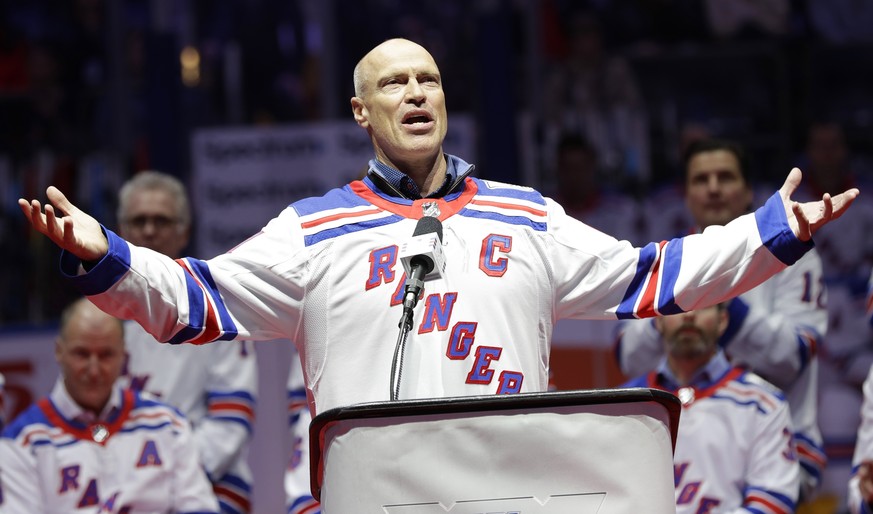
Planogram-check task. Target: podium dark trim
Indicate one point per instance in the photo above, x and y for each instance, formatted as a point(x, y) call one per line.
point(666, 407)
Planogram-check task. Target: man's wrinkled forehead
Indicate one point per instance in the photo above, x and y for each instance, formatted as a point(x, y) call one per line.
point(392, 59)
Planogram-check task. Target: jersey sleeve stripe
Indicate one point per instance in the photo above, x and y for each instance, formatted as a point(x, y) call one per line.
point(641, 292)
point(304, 505)
point(807, 345)
point(208, 319)
point(776, 234)
point(113, 266)
point(767, 502)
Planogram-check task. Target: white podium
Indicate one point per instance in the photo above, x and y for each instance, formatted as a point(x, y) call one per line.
point(597, 451)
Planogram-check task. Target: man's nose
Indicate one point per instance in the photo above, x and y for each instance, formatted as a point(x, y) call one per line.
point(712, 184)
point(414, 92)
point(93, 365)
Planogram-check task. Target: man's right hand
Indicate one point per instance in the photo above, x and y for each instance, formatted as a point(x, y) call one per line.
point(74, 231)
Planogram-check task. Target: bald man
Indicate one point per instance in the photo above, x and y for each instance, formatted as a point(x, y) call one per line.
point(90, 444)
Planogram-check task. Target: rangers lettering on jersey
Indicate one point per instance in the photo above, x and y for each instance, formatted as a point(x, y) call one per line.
point(438, 310)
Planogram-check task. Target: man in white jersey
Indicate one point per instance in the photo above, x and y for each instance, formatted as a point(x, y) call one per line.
point(326, 274)
point(215, 386)
point(775, 327)
point(298, 496)
point(91, 446)
point(734, 449)
point(861, 483)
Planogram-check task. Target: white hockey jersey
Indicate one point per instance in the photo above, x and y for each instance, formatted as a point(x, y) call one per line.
point(774, 330)
point(298, 493)
point(734, 448)
point(215, 387)
point(138, 459)
point(325, 274)
point(863, 448)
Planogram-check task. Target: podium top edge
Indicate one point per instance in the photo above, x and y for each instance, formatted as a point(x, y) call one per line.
point(462, 404)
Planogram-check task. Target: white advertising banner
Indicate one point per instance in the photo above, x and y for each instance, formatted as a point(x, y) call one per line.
point(244, 176)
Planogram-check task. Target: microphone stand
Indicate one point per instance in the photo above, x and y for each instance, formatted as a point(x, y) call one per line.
point(399, 351)
point(414, 285)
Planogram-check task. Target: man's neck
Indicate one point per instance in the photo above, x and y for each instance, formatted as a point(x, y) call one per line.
point(428, 174)
point(685, 368)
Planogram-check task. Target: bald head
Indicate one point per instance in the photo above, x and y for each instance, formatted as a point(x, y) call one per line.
point(90, 353)
point(82, 314)
point(364, 74)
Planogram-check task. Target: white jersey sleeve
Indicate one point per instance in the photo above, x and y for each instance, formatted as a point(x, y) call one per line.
point(774, 329)
point(863, 449)
point(19, 492)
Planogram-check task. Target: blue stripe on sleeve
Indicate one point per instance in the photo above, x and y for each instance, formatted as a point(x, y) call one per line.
point(196, 312)
point(106, 273)
point(228, 328)
point(776, 235)
point(634, 290)
point(672, 260)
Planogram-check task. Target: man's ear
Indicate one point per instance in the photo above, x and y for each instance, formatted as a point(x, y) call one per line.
point(359, 110)
point(723, 319)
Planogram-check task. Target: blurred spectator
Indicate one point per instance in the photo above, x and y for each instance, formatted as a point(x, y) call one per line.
point(595, 93)
point(734, 451)
point(298, 493)
point(91, 445)
point(214, 385)
point(587, 197)
point(828, 163)
point(860, 491)
point(748, 17)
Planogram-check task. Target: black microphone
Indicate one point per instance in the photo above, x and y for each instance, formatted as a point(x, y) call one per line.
point(422, 259)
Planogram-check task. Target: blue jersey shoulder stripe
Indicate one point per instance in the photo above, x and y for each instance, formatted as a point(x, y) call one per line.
point(334, 199)
point(511, 220)
point(31, 415)
point(141, 402)
point(350, 228)
point(148, 428)
point(487, 188)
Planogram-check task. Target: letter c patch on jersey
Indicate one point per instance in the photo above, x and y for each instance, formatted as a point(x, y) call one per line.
point(489, 262)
